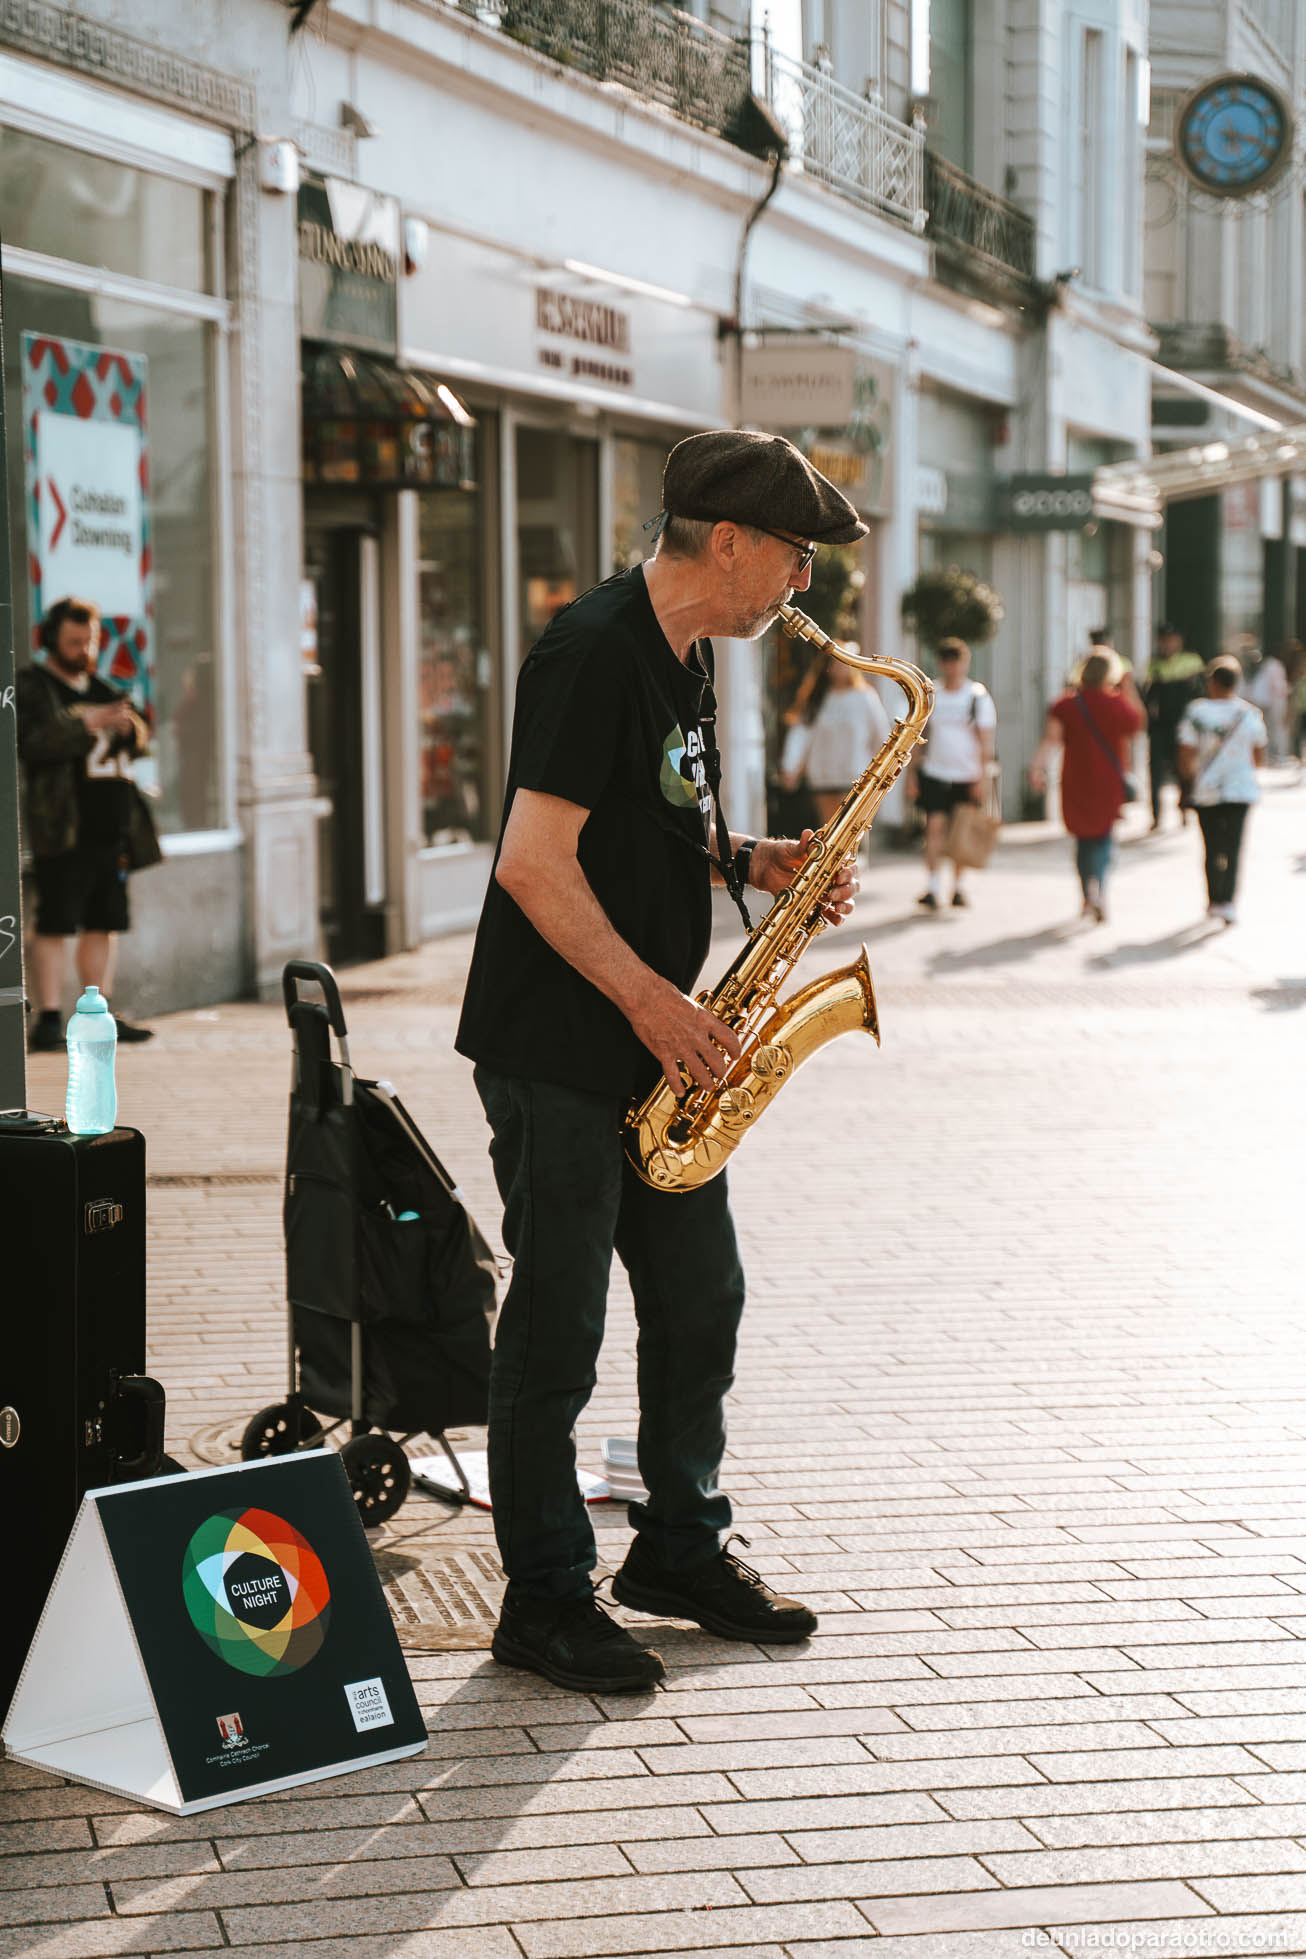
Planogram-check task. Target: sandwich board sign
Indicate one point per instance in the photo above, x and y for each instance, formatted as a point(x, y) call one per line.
point(215, 1636)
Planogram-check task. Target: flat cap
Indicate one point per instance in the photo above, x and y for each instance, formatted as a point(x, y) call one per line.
point(743, 477)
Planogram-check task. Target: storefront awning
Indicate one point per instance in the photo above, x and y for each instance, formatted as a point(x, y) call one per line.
point(369, 423)
point(1149, 483)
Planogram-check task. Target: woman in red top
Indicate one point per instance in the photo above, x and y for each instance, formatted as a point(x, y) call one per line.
point(1093, 725)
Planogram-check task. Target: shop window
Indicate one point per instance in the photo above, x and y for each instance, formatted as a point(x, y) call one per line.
point(456, 672)
point(72, 205)
point(636, 496)
point(557, 523)
point(166, 656)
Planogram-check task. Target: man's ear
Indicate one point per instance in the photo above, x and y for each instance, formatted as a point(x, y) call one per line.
point(724, 544)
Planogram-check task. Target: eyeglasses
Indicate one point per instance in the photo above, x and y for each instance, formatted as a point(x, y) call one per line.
point(806, 552)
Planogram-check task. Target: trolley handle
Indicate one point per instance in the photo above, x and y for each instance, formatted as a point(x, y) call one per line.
point(315, 974)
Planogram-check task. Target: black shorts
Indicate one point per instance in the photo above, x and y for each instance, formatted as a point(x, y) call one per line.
point(940, 798)
point(81, 891)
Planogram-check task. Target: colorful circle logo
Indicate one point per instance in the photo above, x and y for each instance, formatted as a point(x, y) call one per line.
point(255, 1591)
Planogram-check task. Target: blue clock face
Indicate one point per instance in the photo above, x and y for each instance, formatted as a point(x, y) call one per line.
point(1234, 135)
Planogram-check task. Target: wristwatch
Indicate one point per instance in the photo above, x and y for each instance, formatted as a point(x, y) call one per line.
point(742, 861)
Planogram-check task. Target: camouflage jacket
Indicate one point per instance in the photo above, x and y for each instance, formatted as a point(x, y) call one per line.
point(53, 744)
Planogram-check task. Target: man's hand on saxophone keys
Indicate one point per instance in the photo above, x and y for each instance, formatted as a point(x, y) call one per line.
point(777, 861)
point(686, 1038)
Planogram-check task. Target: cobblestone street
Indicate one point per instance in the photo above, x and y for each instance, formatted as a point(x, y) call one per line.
point(1021, 1409)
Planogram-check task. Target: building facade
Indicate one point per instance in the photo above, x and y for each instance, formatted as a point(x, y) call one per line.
point(1225, 284)
point(402, 409)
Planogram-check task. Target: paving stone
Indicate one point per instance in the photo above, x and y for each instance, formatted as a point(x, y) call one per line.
point(111, 1938)
point(1049, 1798)
point(1126, 1862)
point(909, 1841)
point(532, 1866)
point(51, 1902)
point(887, 1878)
point(689, 1932)
point(1163, 1826)
point(1040, 1905)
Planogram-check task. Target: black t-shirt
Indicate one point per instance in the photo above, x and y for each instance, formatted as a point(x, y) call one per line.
point(606, 717)
point(104, 783)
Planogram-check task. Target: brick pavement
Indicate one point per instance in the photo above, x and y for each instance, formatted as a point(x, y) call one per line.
point(1021, 1408)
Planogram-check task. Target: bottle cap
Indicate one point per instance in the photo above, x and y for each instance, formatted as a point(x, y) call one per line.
point(92, 1002)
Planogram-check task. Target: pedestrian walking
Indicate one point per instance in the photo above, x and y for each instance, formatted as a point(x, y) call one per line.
point(1092, 725)
point(84, 820)
point(594, 927)
point(849, 726)
point(1267, 687)
point(1221, 744)
point(958, 754)
point(1173, 679)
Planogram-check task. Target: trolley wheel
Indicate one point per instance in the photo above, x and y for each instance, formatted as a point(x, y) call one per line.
point(379, 1475)
point(279, 1431)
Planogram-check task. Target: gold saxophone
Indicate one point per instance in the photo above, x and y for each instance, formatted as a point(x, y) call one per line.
point(678, 1144)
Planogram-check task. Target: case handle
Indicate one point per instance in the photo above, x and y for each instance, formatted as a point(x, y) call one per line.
point(316, 975)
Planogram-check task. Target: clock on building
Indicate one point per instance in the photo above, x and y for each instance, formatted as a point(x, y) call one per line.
point(1233, 135)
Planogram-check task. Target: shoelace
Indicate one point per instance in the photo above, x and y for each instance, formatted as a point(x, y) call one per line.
point(745, 1571)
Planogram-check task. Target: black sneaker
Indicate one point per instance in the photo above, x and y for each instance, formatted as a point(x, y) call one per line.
point(928, 901)
point(46, 1036)
point(574, 1643)
point(128, 1033)
point(723, 1595)
point(960, 900)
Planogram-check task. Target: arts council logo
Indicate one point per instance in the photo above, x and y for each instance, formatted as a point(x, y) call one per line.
point(256, 1592)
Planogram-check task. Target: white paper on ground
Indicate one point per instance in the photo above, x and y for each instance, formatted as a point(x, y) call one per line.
point(435, 1473)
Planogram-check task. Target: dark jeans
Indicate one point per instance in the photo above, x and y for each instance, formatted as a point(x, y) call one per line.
point(1222, 833)
point(1160, 766)
point(570, 1198)
point(1093, 860)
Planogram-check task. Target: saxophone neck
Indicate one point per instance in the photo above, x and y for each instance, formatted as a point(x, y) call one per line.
point(917, 686)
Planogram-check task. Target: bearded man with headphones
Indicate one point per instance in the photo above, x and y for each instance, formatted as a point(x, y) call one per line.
point(85, 823)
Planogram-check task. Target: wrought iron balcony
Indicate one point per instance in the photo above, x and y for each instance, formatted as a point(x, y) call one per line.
point(845, 140)
point(657, 53)
point(981, 233)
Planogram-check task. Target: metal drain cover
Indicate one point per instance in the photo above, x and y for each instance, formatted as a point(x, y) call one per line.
point(443, 1603)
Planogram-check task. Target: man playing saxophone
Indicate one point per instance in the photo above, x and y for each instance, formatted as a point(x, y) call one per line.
point(594, 928)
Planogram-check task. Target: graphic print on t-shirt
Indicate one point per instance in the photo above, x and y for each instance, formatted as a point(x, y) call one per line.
point(683, 775)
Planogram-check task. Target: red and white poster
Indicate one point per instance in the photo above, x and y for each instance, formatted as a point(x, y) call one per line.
point(86, 456)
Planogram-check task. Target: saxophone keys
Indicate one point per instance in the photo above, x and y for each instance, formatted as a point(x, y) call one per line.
point(771, 1062)
point(735, 1106)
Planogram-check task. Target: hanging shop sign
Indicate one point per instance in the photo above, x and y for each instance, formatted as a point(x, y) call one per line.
point(797, 383)
point(1045, 503)
point(349, 259)
point(585, 339)
point(859, 456)
point(86, 470)
point(216, 1636)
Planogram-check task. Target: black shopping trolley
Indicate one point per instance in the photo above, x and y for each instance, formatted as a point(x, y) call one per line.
point(389, 1283)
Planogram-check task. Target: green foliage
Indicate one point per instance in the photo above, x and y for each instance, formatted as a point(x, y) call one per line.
point(952, 603)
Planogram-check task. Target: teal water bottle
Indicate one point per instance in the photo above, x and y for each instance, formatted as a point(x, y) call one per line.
point(92, 1106)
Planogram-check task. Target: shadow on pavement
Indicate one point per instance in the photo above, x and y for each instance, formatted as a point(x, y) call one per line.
point(1005, 952)
point(1148, 951)
point(1284, 995)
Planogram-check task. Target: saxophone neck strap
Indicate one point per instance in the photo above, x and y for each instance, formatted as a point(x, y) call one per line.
point(724, 859)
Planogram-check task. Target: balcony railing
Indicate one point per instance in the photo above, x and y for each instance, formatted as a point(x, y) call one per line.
point(661, 55)
point(843, 139)
point(846, 140)
point(996, 236)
